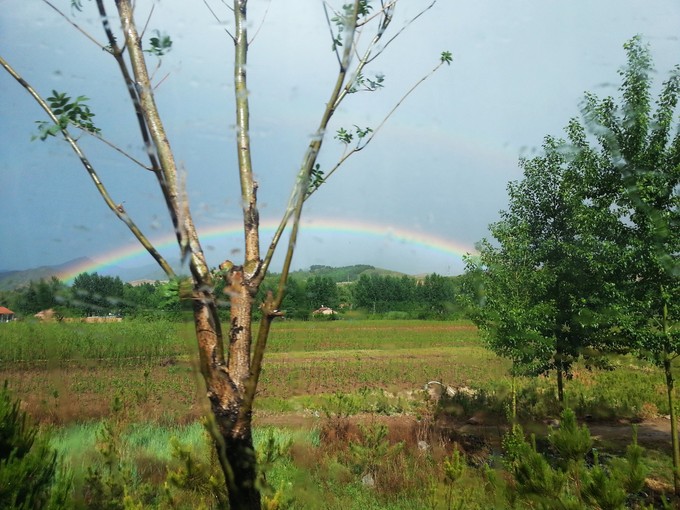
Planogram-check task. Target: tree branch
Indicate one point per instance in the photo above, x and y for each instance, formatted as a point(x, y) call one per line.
point(408, 24)
point(117, 53)
point(118, 210)
point(270, 308)
point(375, 131)
point(118, 149)
point(251, 217)
point(222, 390)
point(75, 25)
point(218, 19)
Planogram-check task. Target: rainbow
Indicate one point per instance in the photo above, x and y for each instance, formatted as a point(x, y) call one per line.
point(233, 232)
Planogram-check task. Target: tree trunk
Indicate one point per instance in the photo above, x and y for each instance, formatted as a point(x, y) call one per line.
point(226, 382)
point(560, 384)
point(674, 426)
point(241, 463)
point(513, 389)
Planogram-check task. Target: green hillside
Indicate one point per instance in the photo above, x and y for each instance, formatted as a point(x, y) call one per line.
point(342, 274)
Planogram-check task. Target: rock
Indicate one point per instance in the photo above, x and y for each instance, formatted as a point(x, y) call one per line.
point(368, 480)
point(475, 420)
point(423, 446)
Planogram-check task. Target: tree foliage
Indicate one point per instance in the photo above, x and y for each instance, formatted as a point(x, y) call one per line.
point(585, 258)
point(98, 294)
point(543, 275)
point(638, 185)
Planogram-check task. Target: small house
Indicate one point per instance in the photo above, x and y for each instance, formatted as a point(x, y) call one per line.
point(324, 310)
point(6, 314)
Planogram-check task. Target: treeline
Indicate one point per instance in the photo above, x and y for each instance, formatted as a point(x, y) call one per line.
point(93, 294)
point(371, 295)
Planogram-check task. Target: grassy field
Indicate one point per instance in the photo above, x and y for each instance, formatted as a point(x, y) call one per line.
point(72, 372)
point(325, 385)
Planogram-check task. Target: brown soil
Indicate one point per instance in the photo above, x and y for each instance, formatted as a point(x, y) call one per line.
point(653, 433)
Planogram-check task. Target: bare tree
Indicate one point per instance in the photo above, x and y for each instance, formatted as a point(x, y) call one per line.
point(231, 360)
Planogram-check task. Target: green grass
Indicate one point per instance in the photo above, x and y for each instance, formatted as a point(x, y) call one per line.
point(314, 336)
point(379, 368)
point(129, 342)
point(134, 342)
point(68, 372)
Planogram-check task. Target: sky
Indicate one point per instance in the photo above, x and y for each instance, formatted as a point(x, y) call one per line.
point(415, 200)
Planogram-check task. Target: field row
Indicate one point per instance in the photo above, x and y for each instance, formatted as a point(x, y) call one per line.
point(140, 342)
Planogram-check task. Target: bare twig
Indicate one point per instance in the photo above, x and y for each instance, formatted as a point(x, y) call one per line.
point(368, 140)
point(161, 80)
point(330, 30)
point(264, 17)
point(401, 30)
point(385, 8)
point(148, 20)
point(117, 149)
point(75, 25)
point(219, 21)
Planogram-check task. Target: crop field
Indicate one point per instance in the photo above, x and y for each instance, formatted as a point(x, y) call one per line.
point(136, 385)
point(72, 372)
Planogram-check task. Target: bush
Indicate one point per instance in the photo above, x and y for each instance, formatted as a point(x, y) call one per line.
point(568, 479)
point(28, 465)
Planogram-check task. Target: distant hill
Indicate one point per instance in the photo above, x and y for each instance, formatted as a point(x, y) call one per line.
point(14, 279)
point(10, 280)
point(342, 274)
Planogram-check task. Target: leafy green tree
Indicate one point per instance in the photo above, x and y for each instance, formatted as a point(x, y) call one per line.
point(321, 291)
point(638, 184)
point(381, 293)
point(587, 255)
point(139, 299)
point(295, 303)
point(41, 295)
point(437, 294)
point(346, 294)
point(545, 272)
point(231, 366)
point(368, 292)
point(97, 294)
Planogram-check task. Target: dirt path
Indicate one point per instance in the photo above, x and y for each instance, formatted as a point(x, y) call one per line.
point(653, 433)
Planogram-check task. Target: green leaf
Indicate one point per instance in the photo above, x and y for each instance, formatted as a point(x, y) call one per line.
point(344, 136)
point(446, 57)
point(68, 112)
point(160, 44)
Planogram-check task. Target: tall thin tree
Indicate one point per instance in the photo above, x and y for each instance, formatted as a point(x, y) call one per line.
point(231, 360)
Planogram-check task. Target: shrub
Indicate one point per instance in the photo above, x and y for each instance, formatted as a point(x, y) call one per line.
point(29, 467)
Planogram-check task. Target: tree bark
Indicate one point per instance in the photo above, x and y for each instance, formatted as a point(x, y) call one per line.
point(226, 381)
point(670, 383)
point(560, 384)
point(240, 455)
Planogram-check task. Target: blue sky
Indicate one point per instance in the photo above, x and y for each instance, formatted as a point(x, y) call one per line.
point(439, 167)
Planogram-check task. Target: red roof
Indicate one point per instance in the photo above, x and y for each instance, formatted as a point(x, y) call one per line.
point(5, 311)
